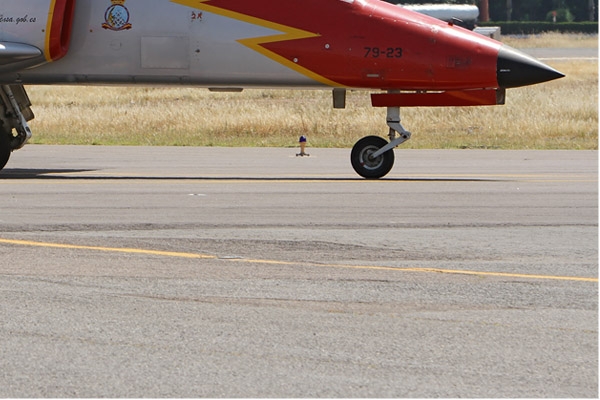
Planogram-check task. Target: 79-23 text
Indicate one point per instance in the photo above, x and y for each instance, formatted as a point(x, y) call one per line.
point(387, 52)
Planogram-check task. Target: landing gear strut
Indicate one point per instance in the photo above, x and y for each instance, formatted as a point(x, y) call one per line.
point(372, 157)
point(15, 111)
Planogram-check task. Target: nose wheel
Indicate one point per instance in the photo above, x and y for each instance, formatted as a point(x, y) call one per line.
point(366, 163)
point(372, 157)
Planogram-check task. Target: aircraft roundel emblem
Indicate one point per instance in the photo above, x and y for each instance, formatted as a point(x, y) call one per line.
point(116, 17)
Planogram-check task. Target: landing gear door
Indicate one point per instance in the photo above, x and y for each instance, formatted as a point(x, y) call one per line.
point(43, 24)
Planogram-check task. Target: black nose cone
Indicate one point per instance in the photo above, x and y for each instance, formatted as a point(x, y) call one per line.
point(516, 69)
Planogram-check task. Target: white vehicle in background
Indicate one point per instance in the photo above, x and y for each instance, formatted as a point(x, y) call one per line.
point(464, 15)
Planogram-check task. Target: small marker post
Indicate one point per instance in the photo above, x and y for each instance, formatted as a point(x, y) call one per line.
point(302, 142)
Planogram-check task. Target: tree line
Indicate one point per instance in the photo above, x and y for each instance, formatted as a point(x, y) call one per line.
point(528, 10)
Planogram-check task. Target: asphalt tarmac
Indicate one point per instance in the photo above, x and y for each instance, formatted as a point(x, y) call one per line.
point(563, 54)
point(211, 272)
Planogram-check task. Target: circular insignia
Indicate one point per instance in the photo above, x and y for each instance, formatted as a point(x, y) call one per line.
point(117, 18)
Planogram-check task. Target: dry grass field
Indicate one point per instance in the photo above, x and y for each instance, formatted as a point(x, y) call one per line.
point(552, 39)
point(562, 114)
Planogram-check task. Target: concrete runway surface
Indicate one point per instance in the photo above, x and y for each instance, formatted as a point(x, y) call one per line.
point(213, 272)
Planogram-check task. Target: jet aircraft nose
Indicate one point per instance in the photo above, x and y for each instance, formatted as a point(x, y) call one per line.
point(515, 68)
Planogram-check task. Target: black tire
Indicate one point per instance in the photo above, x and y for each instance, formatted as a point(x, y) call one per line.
point(362, 162)
point(5, 148)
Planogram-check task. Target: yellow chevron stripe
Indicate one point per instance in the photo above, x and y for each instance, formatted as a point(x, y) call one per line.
point(290, 33)
point(49, 30)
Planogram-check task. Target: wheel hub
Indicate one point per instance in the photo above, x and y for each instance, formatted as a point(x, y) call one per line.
point(367, 159)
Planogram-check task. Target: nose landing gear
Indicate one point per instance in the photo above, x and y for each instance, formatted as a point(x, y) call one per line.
point(373, 157)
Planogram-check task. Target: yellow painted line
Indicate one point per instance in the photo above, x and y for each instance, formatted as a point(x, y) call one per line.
point(49, 30)
point(106, 249)
point(429, 270)
point(291, 263)
point(477, 273)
